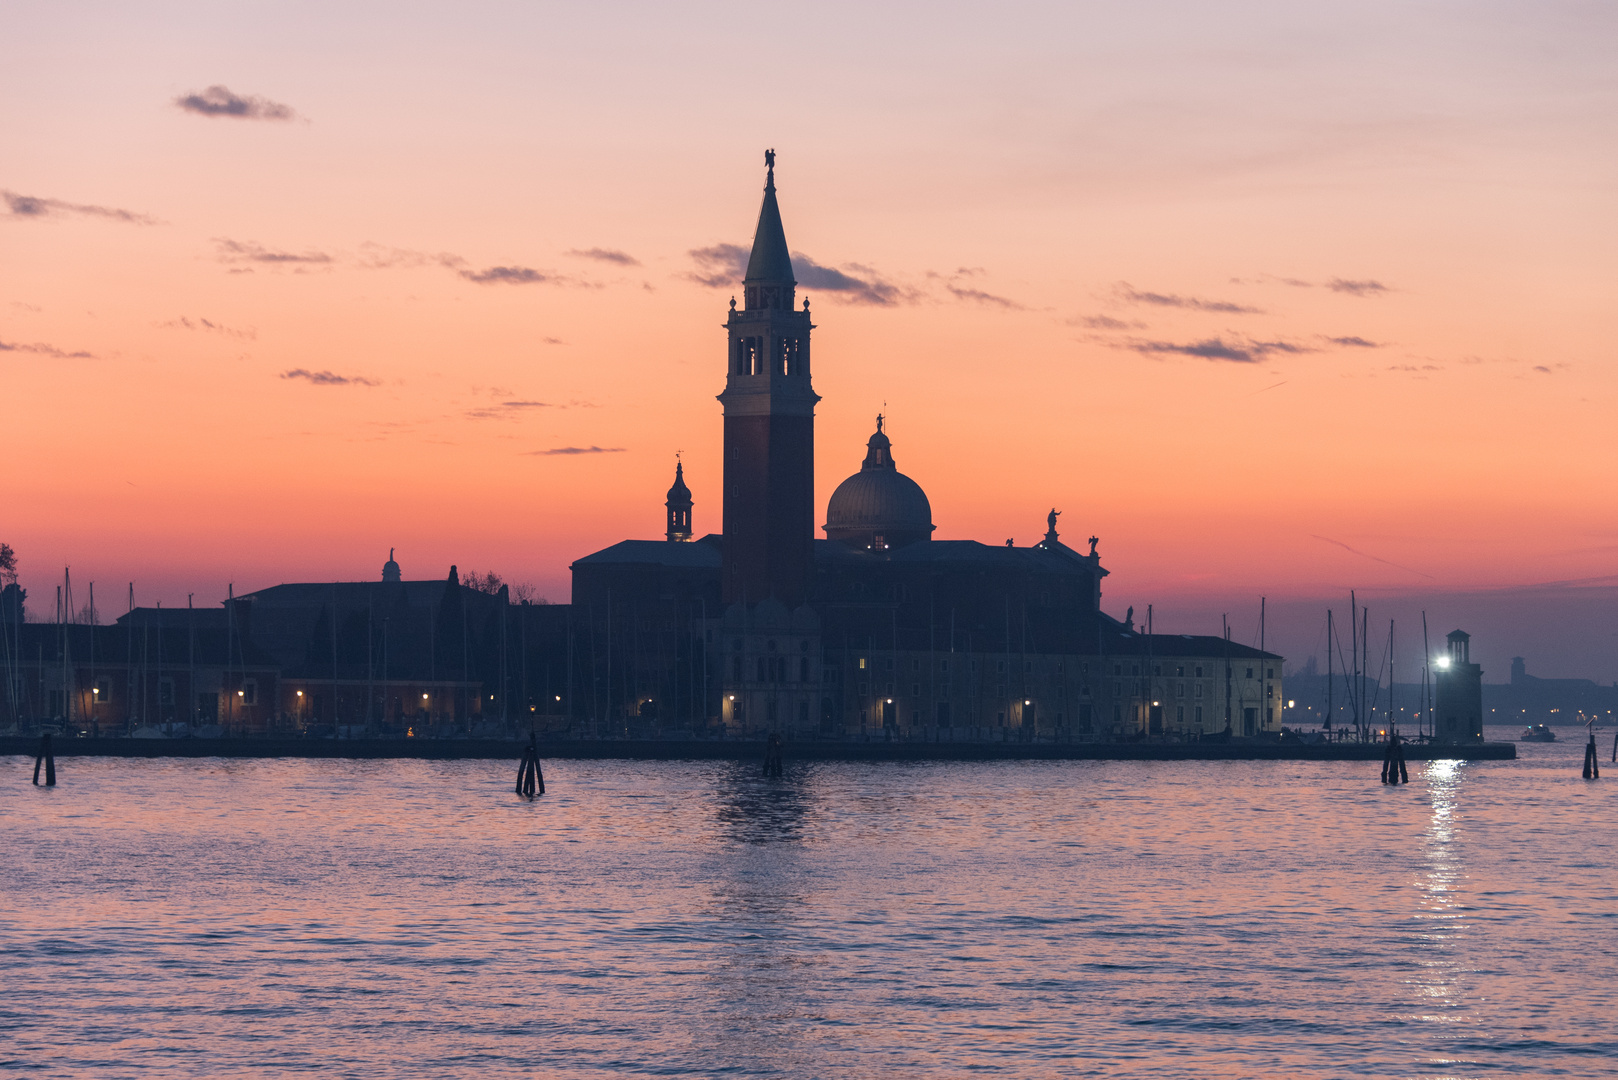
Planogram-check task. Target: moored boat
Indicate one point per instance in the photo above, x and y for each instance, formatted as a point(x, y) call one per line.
point(1538, 733)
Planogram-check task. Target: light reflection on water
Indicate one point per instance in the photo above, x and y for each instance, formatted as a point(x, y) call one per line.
point(187, 918)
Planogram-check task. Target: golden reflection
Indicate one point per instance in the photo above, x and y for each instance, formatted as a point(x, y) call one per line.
point(1439, 914)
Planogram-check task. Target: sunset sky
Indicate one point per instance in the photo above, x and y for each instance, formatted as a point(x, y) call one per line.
point(1275, 299)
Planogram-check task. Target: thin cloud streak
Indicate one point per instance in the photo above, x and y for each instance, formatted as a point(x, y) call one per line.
point(607, 255)
point(328, 378)
point(219, 101)
point(1367, 555)
point(33, 206)
point(40, 348)
point(1131, 295)
point(570, 451)
point(507, 275)
point(1357, 288)
point(239, 251)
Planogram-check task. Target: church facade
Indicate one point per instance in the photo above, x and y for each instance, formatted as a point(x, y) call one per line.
point(875, 629)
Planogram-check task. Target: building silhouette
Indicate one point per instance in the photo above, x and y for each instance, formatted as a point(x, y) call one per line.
point(877, 629)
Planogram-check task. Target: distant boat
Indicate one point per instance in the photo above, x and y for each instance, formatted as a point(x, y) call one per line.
point(1538, 733)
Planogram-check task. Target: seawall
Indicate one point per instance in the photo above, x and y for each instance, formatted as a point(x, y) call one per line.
point(734, 750)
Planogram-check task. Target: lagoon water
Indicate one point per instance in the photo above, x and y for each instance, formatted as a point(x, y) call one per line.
point(1194, 919)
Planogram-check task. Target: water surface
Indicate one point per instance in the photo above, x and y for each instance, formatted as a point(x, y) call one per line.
point(1174, 919)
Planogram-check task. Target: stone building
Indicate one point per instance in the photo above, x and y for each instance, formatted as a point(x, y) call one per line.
point(877, 629)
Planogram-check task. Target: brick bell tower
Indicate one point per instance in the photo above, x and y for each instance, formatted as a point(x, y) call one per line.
point(769, 512)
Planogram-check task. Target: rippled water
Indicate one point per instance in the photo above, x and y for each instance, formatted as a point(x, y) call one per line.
point(196, 918)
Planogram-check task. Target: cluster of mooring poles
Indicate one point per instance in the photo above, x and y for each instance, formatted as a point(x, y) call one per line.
point(1592, 762)
point(47, 758)
point(1393, 762)
point(772, 755)
point(530, 781)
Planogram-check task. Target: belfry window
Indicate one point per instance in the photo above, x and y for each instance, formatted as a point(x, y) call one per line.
point(749, 358)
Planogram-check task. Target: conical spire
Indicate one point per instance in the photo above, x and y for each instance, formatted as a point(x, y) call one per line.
point(770, 263)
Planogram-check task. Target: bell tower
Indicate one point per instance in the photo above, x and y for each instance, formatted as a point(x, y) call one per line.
point(678, 506)
point(769, 494)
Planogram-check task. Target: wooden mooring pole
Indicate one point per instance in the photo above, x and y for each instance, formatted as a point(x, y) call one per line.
point(1393, 762)
point(772, 756)
point(530, 780)
point(47, 757)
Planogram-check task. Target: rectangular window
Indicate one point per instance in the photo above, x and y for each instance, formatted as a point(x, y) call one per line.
point(1179, 671)
point(1249, 673)
point(1269, 691)
point(915, 665)
point(1000, 667)
point(1199, 715)
point(1084, 668)
point(862, 663)
point(1179, 715)
point(249, 692)
point(761, 669)
point(1179, 689)
point(1061, 667)
point(1117, 688)
point(803, 669)
point(1269, 673)
point(1198, 689)
point(915, 689)
point(1199, 671)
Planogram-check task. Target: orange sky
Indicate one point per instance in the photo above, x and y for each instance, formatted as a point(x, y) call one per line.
point(1104, 257)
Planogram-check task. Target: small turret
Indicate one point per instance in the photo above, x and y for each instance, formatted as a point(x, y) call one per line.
point(679, 506)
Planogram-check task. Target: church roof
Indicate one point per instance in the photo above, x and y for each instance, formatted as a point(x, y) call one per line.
point(770, 261)
point(702, 555)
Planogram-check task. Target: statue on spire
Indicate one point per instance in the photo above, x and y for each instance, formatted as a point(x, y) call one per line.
point(769, 159)
point(1050, 523)
point(879, 423)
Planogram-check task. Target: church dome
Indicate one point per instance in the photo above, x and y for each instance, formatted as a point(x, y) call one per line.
point(879, 507)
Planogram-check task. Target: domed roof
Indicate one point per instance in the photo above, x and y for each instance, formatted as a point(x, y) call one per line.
point(679, 493)
point(879, 500)
point(390, 569)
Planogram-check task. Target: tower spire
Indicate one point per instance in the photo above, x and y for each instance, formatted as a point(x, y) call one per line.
point(769, 282)
point(679, 505)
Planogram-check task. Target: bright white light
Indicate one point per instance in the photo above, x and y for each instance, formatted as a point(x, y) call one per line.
point(1442, 661)
point(424, 697)
point(300, 693)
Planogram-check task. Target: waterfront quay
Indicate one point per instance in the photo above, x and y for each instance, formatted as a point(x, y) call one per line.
point(678, 749)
